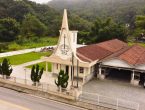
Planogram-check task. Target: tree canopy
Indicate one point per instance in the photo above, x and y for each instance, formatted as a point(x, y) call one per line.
point(9, 29)
point(32, 26)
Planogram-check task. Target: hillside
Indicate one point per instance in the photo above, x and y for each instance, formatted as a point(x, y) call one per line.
point(120, 10)
point(17, 9)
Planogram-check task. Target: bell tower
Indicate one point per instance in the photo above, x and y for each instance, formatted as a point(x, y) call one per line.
point(67, 40)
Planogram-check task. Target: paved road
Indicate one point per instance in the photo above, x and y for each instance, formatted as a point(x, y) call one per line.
point(13, 100)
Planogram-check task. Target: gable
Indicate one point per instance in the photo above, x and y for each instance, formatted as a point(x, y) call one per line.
point(116, 63)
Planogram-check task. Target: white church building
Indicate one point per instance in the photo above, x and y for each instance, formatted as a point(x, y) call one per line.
point(65, 56)
point(98, 60)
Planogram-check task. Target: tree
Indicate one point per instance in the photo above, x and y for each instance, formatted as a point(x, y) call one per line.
point(36, 73)
point(3, 47)
point(9, 29)
point(32, 26)
point(140, 22)
point(106, 30)
point(6, 68)
point(139, 30)
point(62, 80)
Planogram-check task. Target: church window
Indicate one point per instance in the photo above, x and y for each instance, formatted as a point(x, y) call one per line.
point(56, 66)
point(81, 70)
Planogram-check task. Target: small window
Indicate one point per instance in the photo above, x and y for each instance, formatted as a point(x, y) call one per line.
point(57, 66)
point(81, 70)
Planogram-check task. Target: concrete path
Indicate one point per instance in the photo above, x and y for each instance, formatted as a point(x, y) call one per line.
point(22, 51)
point(116, 89)
point(21, 71)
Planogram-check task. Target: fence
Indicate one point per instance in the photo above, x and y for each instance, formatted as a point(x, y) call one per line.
point(43, 86)
point(117, 104)
point(90, 98)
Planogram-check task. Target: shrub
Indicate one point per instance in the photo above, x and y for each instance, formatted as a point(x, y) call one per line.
point(36, 73)
point(6, 68)
point(62, 79)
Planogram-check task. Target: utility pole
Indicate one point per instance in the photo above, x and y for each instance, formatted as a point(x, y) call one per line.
point(77, 73)
point(72, 75)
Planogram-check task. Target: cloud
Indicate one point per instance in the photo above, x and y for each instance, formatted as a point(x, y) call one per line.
point(41, 1)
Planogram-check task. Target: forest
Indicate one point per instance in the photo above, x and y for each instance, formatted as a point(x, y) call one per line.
point(96, 20)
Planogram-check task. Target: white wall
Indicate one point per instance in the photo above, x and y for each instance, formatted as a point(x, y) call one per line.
point(116, 63)
point(140, 67)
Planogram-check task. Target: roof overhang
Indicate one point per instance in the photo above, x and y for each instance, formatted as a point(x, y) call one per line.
point(57, 59)
point(116, 62)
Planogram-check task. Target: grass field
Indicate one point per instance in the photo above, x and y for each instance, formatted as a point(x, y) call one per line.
point(43, 64)
point(131, 43)
point(31, 43)
point(23, 58)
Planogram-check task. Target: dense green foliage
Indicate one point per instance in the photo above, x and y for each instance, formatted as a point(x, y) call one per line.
point(36, 73)
point(120, 10)
point(62, 80)
point(9, 29)
point(34, 19)
point(30, 21)
point(31, 26)
point(107, 29)
point(5, 67)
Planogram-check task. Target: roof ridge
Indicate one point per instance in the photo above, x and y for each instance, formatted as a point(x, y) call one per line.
point(121, 50)
point(126, 49)
point(110, 40)
point(84, 56)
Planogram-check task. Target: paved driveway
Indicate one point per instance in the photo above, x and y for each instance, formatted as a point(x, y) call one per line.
point(117, 89)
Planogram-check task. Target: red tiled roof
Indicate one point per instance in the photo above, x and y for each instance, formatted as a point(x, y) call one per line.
point(92, 52)
point(113, 45)
point(141, 59)
point(99, 51)
point(133, 55)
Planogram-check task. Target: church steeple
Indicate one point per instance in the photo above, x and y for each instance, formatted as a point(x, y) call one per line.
point(65, 21)
point(67, 40)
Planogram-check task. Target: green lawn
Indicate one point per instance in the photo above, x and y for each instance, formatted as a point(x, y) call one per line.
point(131, 43)
point(31, 43)
point(43, 64)
point(23, 58)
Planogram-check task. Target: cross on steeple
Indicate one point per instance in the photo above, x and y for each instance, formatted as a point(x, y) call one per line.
point(64, 41)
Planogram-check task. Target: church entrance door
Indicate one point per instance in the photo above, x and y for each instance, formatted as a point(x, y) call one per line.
point(67, 69)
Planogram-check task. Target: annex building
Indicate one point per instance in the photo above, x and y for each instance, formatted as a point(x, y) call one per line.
point(112, 59)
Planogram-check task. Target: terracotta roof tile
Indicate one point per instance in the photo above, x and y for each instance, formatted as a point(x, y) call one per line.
point(113, 45)
point(93, 52)
point(133, 55)
point(101, 50)
point(141, 59)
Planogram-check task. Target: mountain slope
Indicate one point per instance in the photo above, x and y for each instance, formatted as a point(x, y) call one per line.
point(120, 10)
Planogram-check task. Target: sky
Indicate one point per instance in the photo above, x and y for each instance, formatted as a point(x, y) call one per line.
point(41, 1)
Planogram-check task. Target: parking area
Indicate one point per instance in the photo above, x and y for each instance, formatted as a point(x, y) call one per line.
point(117, 90)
